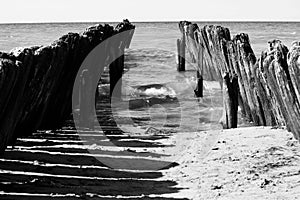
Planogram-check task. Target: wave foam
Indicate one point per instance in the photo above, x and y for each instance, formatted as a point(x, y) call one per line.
point(163, 91)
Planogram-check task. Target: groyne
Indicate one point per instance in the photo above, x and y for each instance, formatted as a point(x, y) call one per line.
point(268, 86)
point(36, 83)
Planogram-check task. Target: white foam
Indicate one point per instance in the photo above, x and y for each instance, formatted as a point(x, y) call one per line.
point(159, 92)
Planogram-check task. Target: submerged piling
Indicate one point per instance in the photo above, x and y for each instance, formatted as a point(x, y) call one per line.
point(194, 46)
point(266, 89)
point(199, 87)
point(181, 54)
point(200, 62)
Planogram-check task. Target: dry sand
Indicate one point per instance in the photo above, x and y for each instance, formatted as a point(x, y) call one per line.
point(245, 163)
point(242, 163)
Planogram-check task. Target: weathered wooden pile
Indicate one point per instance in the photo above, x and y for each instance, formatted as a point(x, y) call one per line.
point(268, 87)
point(36, 83)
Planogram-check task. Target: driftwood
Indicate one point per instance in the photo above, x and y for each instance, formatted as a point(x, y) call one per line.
point(269, 87)
point(36, 83)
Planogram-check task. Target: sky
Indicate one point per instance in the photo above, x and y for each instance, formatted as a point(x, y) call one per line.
point(28, 11)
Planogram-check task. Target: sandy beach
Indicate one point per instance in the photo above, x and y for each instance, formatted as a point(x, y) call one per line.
point(245, 163)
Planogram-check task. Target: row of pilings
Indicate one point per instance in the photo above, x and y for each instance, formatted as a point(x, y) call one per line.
point(267, 88)
point(36, 83)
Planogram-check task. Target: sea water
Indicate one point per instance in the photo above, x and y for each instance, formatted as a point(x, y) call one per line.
point(151, 74)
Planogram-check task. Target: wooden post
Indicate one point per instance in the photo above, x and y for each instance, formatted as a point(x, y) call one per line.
point(230, 101)
point(181, 54)
point(116, 69)
point(267, 89)
point(199, 89)
point(273, 93)
point(294, 67)
point(234, 93)
point(85, 100)
point(288, 95)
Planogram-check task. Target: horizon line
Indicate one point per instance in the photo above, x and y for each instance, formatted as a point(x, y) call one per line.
point(152, 21)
